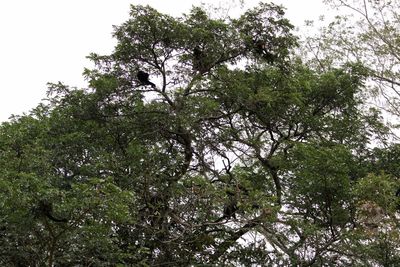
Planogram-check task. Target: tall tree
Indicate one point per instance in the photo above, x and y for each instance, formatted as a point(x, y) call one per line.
point(238, 155)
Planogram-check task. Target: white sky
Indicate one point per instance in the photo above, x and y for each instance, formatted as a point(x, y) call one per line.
point(48, 40)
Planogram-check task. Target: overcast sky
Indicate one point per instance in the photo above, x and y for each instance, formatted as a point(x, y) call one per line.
point(48, 40)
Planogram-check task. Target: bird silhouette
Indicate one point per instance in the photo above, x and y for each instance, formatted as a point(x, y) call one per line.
point(143, 78)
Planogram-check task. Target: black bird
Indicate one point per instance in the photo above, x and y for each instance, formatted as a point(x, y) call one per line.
point(199, 59)
point(45, 208)
point(230, 208)
point(143, 78)
point(261, 48)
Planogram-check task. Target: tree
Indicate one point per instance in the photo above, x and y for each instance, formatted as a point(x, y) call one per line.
point(235, 157)
point(364, 32)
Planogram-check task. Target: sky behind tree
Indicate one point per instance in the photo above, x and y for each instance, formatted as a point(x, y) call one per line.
point(48, 41)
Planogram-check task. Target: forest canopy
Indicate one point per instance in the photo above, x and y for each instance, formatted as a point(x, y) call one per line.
point(204, 141)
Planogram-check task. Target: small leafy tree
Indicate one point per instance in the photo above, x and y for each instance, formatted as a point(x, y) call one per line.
point(364, 32)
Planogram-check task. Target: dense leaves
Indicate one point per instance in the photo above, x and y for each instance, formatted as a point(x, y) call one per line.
point(239, 156)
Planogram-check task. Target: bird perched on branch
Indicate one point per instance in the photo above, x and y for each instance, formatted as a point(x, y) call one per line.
point(230, 207)
point(261, 48)
point(199, 61)
point(143, 78)
point(45, 208)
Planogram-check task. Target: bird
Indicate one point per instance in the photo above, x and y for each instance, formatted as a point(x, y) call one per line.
point(143, 78)
point(199, 61)
point(45, 208)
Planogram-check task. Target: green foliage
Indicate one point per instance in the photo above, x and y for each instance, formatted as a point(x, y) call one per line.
point(322, 184)
point(233, 159)
point(364, 32)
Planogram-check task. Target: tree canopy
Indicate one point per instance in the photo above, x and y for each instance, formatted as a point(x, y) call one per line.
point(365, 32)
point(240, 155)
